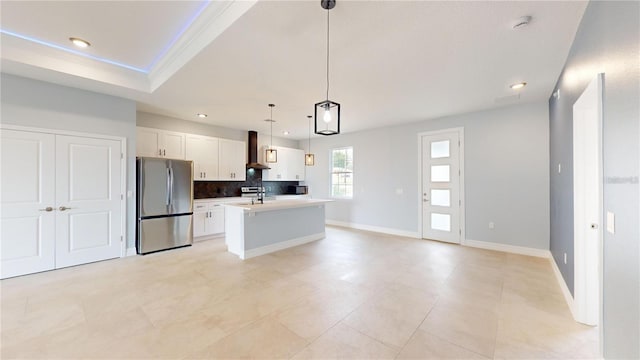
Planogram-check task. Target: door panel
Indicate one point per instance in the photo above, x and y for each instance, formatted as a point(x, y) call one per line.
point(88, 190)
point(181, 181)
point(153, 187)
point(27, 188)
point(164, 233)
point(441, 187)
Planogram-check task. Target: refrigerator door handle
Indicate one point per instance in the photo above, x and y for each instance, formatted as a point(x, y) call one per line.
point(171, 186)
point(168, 184)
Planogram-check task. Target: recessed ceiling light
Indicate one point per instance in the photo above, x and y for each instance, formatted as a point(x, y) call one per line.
point(285, 132)
point(79, 42)
point(518, 85)
point(522, 22)
point(200, 115)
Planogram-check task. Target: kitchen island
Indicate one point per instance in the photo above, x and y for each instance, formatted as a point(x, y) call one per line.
point(257, 229)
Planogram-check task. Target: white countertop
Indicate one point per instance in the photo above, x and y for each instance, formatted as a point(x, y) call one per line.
point(270, 205)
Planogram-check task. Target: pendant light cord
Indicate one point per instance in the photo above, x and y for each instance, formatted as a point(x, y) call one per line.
point(327, 54)
point(309, 133)
point(271, 122)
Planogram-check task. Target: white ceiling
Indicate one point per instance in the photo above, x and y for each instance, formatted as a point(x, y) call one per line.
point(391, 61)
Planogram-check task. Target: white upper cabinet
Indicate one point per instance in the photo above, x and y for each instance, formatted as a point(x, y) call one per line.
point(289, 167)
point(160, 143)
point(203, 151)
point(232, 160)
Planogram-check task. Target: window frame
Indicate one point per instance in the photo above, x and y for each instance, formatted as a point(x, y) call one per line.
point(331, 173)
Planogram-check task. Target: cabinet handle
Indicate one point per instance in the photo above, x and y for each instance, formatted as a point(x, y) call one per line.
point(160, 152)
point(47, 209)
point(205, 174)
point(63, 208)
point(164, 152)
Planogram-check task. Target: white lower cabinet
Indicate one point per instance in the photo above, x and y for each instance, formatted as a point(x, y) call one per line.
point(208, 219)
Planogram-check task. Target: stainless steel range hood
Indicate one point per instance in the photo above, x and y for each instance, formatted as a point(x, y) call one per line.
point(253, 152)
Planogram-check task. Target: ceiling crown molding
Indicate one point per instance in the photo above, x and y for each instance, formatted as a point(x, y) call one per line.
point(213, 21)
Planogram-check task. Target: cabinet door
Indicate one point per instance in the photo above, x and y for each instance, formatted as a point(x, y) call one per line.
point(295, 165)
point(209, 158)
point(27, 189)
point(232, 160)
point(278, 169)
point(172, 145)
point(148, 142)
point(200, 219)
point(193, 151)
point(216, 219)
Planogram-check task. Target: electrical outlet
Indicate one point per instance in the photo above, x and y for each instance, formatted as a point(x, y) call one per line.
point(559, 168)
point(492, 225)
point(565, 258)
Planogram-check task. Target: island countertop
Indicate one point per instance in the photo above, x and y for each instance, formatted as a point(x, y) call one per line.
point(271, 205)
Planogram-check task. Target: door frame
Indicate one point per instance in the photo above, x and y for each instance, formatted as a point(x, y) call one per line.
point(123, 172)
point(584, 307)
point(460, 131)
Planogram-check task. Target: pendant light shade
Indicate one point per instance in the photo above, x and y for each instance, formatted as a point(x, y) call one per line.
point(308, 157)
point(327, 112)
point(271, 155)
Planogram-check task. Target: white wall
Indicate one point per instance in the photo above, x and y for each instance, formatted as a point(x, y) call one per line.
point(33, 103)
point(192, 127)
point(506, 182)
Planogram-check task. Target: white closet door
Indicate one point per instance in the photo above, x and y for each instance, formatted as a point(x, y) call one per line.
point(88, 190)
point(27, 189)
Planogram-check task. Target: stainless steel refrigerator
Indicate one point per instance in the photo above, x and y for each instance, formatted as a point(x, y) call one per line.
point(164, 204)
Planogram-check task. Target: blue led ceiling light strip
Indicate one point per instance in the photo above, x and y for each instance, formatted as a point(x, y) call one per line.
point(184, 28)
point(71, 51)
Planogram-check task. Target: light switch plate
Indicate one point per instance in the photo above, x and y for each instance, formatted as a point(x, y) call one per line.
point(559, 168)
point(611, 222)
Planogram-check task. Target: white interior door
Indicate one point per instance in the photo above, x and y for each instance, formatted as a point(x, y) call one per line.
point(27, 167)
point(587, 202)
point(88, 191)
point(441, 187)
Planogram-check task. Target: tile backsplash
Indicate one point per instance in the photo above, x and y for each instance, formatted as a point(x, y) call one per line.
point(217, 189)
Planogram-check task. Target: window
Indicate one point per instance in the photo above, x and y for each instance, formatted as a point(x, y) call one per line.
point(342, 172)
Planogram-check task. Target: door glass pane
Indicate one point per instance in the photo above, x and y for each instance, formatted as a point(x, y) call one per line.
point(439, 173)
point(441, 197)
point(441, 222)
point(440, 149)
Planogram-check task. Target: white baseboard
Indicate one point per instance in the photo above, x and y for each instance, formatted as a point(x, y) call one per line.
point(280, 246)
point(131, 252)
point(508, 248)
point(563, 286)
point(377, 229)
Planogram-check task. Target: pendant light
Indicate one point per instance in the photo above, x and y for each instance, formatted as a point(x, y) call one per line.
point(327, 112)
point(308, 157)
point(271, 154)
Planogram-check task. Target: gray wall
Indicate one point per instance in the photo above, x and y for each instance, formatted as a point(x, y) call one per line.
point(506, 181)
point(192, 127)
point(39, 104)
point(608, 40)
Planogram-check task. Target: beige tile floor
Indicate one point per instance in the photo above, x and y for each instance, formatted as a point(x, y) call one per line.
point(355, 295)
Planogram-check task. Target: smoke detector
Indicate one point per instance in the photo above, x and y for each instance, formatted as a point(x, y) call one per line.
point(522, 22)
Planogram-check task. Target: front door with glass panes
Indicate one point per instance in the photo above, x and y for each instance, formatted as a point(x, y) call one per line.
point(441, 187)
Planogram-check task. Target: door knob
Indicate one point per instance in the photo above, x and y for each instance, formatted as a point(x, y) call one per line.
point(594, 226)
point(47, 209)
point(63, 208)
